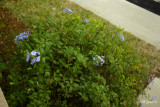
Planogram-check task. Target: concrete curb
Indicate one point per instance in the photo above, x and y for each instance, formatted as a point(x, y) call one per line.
point(152, 97)
point(3, 102)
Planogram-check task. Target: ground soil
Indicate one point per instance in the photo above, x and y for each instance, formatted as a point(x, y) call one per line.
point(10, 27)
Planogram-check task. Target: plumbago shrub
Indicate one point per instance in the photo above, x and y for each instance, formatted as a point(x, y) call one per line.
point(71, 62)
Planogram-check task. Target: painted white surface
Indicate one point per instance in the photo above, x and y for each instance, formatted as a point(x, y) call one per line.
point(152, 97)
point(3, 102)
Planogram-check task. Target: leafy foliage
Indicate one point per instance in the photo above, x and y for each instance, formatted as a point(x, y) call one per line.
point(66, 74)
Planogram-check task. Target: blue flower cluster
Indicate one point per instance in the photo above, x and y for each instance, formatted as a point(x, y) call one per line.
point(22, 36)
point(87, 21)
point(121, 36)
point(99, 60)
point(68, 10)
point(34, 55)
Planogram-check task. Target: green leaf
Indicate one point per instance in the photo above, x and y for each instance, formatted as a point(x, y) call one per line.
point(31, 82)
point(29, 69)
point(28, 47)
point(11, 83)
point(36, 40)
point(103, 104)
point(47, 74)
point(43, 59)
point(80, 93)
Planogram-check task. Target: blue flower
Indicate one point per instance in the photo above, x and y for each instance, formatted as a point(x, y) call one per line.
point(121, 36)
point(38, 53)
point(34, 55)
point(86, 20)
point(38, 58)
point(151, 79)
point(103, 57)
point(28, 57)
point(68, 10)
point(153, 97)
point(21, 37)
point(98, 60)
point(7, 62)
point(35, 59)
point(23, 15)
point(153, 82)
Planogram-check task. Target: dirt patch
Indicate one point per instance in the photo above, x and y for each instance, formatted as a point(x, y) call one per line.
point(154, 58)
point(10, 27)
